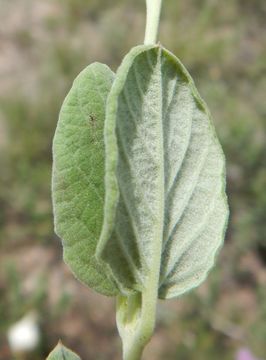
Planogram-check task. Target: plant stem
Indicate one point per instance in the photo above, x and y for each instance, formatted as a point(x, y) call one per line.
point(136, 320)
point(152, 21)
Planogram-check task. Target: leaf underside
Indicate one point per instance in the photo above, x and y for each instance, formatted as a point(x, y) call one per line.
point(62, 353)
point(78, 175)
point(165, 208)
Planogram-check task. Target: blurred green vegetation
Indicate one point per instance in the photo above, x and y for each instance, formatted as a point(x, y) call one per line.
point(223, 46)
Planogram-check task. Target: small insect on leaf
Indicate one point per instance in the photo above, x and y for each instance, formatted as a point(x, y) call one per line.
point(92, 120)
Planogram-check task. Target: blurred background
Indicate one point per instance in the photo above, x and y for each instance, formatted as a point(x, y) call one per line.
point(43, 46)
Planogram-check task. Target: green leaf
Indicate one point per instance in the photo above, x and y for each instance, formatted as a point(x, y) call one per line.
point(62, 353)
point(78, 175)
point(166, 209)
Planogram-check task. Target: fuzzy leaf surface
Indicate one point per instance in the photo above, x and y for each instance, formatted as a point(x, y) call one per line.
point(78, 175)
point(62, 353)
point(166, 169)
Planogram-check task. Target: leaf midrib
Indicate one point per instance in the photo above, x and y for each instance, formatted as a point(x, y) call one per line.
point(153, 278)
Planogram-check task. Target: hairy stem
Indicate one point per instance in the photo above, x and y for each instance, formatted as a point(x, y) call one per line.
point(152, 21)
point(136, 320)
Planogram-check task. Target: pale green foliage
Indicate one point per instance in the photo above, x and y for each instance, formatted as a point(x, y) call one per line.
point(78, 175)
point(165, 168)
point(153, 227)
point(165, 209)
point(62, 353)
